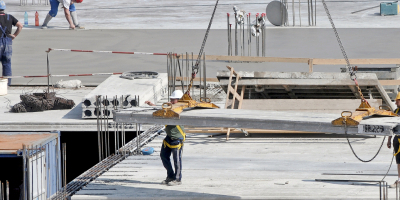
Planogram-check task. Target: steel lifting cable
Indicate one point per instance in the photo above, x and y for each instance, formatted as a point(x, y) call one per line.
point(352, 73)
point(195, 68)
point(353, 77)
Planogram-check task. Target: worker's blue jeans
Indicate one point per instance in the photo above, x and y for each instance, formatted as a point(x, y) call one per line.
point(54, 7)
point(177, 156)
point(5, 56)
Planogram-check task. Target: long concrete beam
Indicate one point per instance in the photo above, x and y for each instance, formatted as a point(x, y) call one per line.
point(258, 119)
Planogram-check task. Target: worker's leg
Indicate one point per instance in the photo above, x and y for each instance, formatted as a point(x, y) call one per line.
point(165, 155)
point(177, 154)
point(54, 7)
point(74, 16)
point(53, 12)
point(6, 53)
point(396, 149)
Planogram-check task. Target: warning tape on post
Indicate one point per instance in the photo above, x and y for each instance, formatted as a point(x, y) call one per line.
point(70, 75)
point(117, 52)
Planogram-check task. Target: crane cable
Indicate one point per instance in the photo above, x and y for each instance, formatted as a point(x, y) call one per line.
point(351, 69)
point(353, 77)
point(195, 68)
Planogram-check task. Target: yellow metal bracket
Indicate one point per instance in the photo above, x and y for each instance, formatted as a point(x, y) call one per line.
point(173, 110)
point(364, 110)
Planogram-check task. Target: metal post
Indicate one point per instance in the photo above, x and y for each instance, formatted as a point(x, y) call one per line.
point(308, 7)
point(263, 38)
point(315, 13)
point(227, 14)
point(98, 126)
point(64, 149)
point(7, 190)
point(37, 172)
point(244, 48)
point(200, 78)
point(294, 14)
point(230, 40)
point(312, 12)
point(236, 39)
point(257, 38)
point(249, 27)
point(205, 75)
point(299, 13)
point(24, 170)
point(48, 73)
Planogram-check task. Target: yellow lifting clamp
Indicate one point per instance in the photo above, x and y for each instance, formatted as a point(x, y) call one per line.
point(364, 110)
point(173, 110)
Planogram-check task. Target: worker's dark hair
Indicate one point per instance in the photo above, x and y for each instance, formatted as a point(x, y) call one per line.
point(1, 10)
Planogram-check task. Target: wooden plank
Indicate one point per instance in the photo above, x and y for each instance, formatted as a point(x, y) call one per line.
point(310, 65)
point(253, 59)
point(389, 82)
point(365, 61)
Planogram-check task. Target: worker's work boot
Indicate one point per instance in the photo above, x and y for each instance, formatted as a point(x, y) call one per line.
point(74, 17)
point(174, 182)
point(166, 181)
point(395, 184)
point(46, 21)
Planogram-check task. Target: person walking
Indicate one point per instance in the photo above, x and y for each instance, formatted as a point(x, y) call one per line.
point(69, 11)
point(6, 23)
point(396, 141)
point(172, 144)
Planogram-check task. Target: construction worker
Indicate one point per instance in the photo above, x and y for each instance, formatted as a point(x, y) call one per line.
point(69, 11)
point(172, 144)
point(6, 23)
point(396, 141)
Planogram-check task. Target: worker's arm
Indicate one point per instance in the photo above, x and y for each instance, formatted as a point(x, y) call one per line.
point(19, 28)
point(149, 103)
point(389, 142)
point(68, 17)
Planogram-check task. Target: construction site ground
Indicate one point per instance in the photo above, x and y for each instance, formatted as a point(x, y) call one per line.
point(262, 166)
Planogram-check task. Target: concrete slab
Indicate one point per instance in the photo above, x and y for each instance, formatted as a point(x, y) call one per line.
point(260, 119)
point(259, 167)
point(62, 120)
point(124, 93)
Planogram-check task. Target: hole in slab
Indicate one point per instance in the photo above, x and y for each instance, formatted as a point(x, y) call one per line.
point(125, 103)
point(133, 103)
point(97, 112)
point(115, 102)
point(106, 102)
point(88, 113)
point(106, 112)
point(87, 102)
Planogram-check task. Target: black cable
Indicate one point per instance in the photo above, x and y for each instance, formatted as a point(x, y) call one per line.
point(351, 147)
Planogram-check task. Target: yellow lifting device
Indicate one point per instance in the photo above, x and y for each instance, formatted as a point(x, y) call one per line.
point(349, 118)
point(173, 110)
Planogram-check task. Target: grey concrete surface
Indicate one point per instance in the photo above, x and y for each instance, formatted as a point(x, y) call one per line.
point(29, 56)
point(256, 167)
point(125, 92)
point(176, 14)
point(62, 120)
point(258, 119)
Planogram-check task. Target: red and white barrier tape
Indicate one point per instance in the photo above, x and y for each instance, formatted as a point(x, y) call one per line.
point(52, 75)
point(118, 52)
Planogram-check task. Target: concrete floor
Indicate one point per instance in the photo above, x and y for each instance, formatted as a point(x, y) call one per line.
point(177, 14)
point(255, 167)
point(30, 57)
